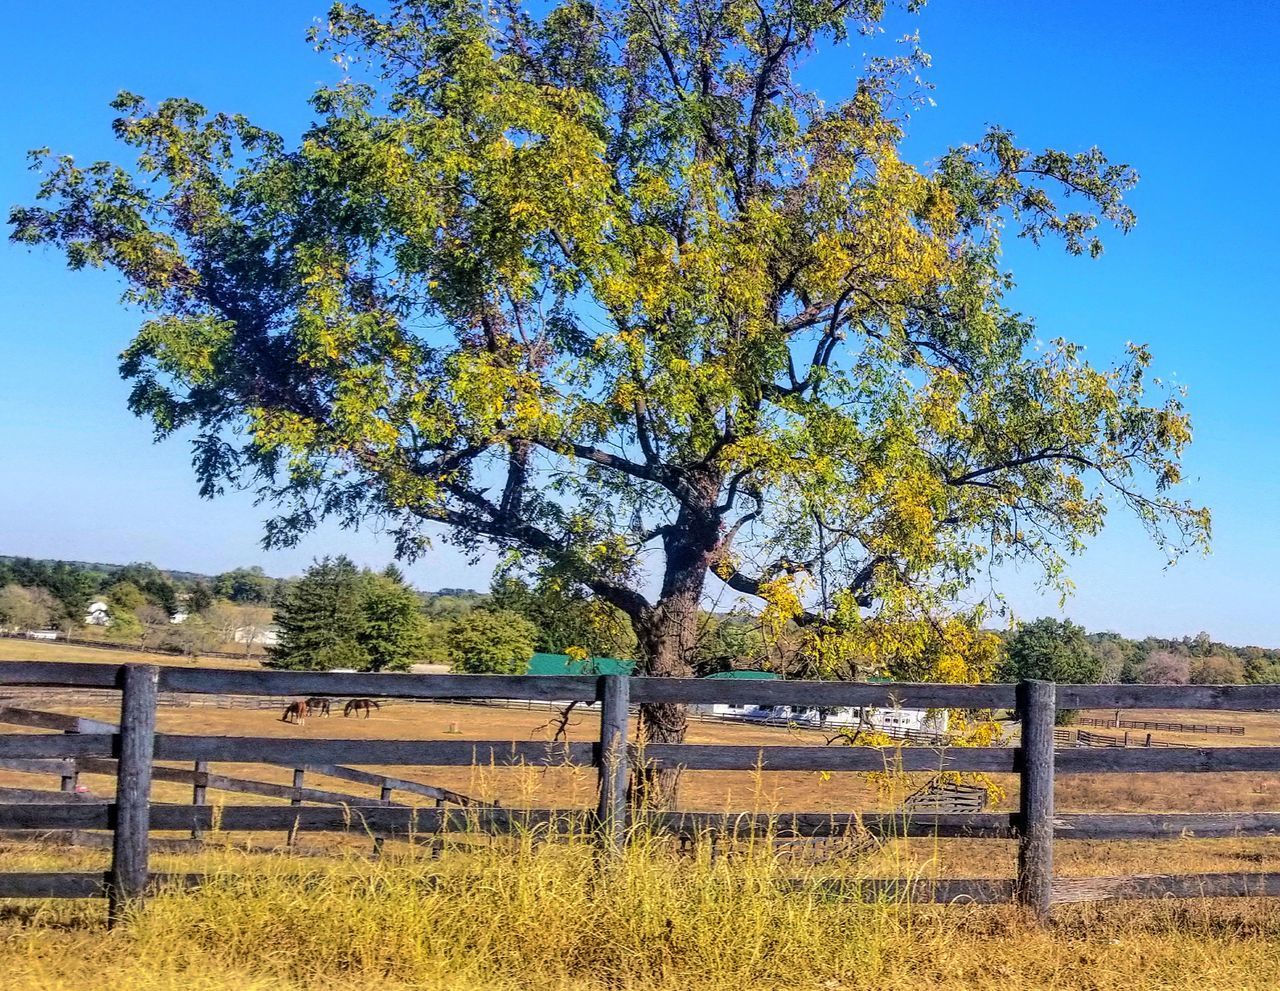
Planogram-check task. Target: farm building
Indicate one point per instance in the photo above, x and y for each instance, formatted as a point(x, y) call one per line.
point(98, 614)
point(265, 636)
point(563, 664)
point(551, 664)
point(743, 710)
point(898, 722)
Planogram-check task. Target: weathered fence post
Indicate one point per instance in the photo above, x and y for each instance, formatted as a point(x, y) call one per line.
point(383, 796)
point(71, 780)
point(1037, 708)
point(200, 793)
point(437, 842)
point(615, 701)
point(129, 863)
point(299, 776)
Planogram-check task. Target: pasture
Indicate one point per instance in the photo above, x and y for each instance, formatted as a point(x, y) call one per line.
point(478, 911)
point(23, 649)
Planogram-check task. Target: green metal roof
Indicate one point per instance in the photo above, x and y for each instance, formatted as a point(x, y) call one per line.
point(551, 664)
point(746, 675)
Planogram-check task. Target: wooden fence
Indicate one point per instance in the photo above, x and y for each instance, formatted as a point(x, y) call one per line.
point(1167, 727)
point(1034, 826)
point(1085, 738)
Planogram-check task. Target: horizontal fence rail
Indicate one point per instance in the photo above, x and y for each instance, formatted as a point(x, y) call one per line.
point(67, 746)
point(393, 819)
point(567, 688)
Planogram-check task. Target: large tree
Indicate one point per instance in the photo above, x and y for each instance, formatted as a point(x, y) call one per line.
point(607, 287)
point(1051, 650)
point(25, 608)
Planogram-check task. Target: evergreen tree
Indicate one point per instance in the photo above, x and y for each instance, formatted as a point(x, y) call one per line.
point(394, 631)
point(322, 620)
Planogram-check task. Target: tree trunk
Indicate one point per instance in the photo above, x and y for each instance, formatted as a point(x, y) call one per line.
point(665, 647)
point(667, 637)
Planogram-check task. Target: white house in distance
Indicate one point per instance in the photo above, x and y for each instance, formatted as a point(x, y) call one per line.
point(98, 614)
point(263, 636)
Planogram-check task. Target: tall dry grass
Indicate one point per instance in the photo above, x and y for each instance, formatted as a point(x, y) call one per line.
point(556, 916)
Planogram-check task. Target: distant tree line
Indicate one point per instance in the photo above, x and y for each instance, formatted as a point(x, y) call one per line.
point(1060, 650)
point(145, 606)
point(338, 615)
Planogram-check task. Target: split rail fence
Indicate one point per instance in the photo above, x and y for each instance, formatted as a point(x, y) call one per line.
point(137, 745)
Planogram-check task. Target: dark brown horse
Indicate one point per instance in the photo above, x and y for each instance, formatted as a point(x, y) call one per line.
point(357, 706)
point(318, 705)
point(295, 712)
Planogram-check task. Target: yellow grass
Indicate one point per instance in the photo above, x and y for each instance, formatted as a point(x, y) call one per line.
point(554, 918)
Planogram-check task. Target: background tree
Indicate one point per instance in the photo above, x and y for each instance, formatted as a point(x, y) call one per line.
point(245, 586)
point(126, 596)
point(451, 603)
point(566, 616)
point(1112, 658)
point(152, 583)
point(1265, 673)
point(238, 625)
point(393, 631)
point(154, 624)
point(225, 619)
point(489, 641)
point(608, 288)
point(255, 622)
point(68, 583)
point(1216, 670)
point(321, 621)
point(1051, 650)
point(193, 636)
point(726, 642)
point(199, 597)
point(25, 608)
point(1165, 667)
point(124, 626)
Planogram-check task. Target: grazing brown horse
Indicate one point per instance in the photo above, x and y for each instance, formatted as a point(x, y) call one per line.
point(295, 712)
point(357, 706)
point(318, 705)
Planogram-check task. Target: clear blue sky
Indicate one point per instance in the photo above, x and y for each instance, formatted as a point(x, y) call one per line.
point(1185, 97)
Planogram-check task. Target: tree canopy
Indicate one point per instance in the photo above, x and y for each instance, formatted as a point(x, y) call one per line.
point(491, 641)
point(609, 288)
point(338, 616)
point(1051, 650)
point(321, 620)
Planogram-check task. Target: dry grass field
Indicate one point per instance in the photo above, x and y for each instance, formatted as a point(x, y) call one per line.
point(552, 918)
point(13, 649)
